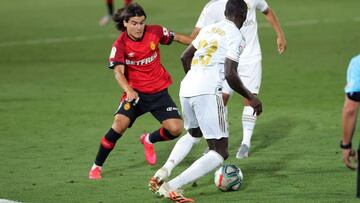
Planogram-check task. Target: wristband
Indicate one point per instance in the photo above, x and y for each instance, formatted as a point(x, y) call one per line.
point(345, 146)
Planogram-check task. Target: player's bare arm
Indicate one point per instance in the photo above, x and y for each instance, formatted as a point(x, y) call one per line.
point(349, 122)
point(183, 39)
point(187, 56)
point(273, 20)
point(234, 81)
point(131, 94)
point(195, 32)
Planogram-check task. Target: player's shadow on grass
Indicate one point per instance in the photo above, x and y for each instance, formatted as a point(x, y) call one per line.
point(276, 160)
point(266, 134)
point(127, 164)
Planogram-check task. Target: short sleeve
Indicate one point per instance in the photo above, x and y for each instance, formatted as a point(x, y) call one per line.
point(116, 55)
point(262, 5)
point(166, 36)
point(353, 75)
point(236, 46)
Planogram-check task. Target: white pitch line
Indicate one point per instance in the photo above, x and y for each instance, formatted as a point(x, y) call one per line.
point(95, 37)
point(8, 201)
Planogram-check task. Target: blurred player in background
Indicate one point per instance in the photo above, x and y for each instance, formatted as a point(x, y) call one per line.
point(250, 60)
point(349, 116)
point(110, 11)
point(135, 59)
point(212, 58)
point(351, 105)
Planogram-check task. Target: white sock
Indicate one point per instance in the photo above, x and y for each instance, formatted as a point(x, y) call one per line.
point(248, 123)
point(147, 139)
point(180, 150)
point(94, 166)
point(199, 168)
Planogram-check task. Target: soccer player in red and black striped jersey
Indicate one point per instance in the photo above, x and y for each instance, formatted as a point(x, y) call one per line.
point(110, 11)
point(135, 59)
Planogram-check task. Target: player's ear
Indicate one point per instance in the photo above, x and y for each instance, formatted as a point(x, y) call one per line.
point(125, 23)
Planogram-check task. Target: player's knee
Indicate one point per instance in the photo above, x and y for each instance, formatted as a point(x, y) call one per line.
point(120, 124)
point(175, 130)
point(349, 111)
point(195, 132)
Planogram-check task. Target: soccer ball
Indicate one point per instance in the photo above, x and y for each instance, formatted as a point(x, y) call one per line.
point(228, 178)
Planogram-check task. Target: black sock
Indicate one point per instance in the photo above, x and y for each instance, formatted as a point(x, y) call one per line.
point(110, 7)
point(106, 146)
point(161, 135)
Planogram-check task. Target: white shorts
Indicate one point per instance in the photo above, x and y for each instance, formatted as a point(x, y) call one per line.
point(250, 75)
point(207, 112)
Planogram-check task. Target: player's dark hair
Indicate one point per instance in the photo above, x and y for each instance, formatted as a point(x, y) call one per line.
point(124, 14)
point(236, 9)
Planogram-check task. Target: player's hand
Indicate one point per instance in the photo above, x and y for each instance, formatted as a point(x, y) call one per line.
point(256, 104)
point(349, 157)
point(281, 44)
point(132, 95)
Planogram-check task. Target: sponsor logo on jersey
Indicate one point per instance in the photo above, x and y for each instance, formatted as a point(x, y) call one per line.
point(152, 46)
point(113, 52)
point(248, 23)
point(165, 32)
point(142, 62)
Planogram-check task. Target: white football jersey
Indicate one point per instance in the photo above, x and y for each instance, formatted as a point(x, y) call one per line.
point(214, 12)
point(214, 43)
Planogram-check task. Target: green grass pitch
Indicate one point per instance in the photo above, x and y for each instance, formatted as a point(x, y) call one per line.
point(57, 98)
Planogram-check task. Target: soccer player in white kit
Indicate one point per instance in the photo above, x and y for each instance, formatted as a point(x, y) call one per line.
point(210, 59)
point(249, 68)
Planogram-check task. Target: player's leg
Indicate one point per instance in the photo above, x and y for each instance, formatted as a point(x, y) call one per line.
point(209, 110)
point(208, 162)
point(127, 2)
point(124, 117)
point(250, 75)
point(182, 147)
point(110, 10)
point(349, 117)
point(358, 173)
point(164, 109)
point(248, 123)
point(226, 93)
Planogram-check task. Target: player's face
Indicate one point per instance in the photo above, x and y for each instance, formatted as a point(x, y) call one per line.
point(135, 27)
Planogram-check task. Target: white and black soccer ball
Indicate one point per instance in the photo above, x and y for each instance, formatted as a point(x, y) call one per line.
point(228, 178)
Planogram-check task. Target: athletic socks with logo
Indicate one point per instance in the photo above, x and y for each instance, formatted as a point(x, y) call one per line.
point(106, 146)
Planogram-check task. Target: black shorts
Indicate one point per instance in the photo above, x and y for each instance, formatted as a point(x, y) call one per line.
point(355, 96)
point(160, 105)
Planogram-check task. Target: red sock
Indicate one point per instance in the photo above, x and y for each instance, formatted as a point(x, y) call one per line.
point(127, 2)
